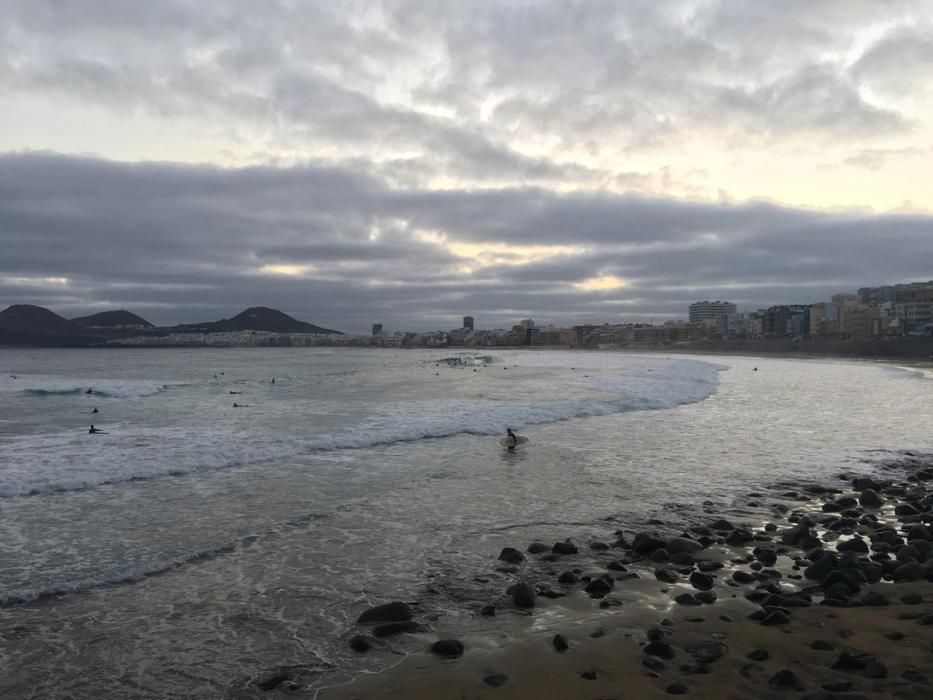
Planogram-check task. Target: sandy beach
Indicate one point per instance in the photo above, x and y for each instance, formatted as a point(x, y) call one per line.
point(832, 598)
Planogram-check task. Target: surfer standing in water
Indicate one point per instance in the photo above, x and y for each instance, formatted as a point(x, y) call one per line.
point(511, 439)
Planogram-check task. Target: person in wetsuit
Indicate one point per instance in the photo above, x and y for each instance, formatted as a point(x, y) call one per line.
point(511, 439)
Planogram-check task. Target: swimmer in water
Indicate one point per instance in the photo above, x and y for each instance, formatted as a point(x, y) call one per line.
point(94, 431)
point(95, 410)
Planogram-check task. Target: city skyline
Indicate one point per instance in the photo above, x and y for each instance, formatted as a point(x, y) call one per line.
point(402, 164)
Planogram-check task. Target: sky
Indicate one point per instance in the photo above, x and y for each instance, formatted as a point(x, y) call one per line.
point(410, 162)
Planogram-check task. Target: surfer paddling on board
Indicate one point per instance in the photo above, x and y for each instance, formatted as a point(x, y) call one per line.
point(511, 439)
point(95, 431)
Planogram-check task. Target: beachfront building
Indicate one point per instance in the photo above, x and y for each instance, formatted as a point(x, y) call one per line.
point(710, 312)
point(377, 329)
point(915, 306)
point(468, 322)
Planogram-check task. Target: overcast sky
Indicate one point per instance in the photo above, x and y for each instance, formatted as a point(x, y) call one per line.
point(412, 162)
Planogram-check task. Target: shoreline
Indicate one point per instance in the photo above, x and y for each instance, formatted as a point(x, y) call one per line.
point(670, 615)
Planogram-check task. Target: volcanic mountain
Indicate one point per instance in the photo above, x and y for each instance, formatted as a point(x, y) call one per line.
point(26, 318)
point(112, 319)
point(255, 318)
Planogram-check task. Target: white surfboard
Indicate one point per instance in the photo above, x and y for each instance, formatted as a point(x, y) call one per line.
point(520, 440)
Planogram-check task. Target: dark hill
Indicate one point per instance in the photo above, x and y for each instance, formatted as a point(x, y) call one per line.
point(26, 318)
point(112, 319)
point(256, 318)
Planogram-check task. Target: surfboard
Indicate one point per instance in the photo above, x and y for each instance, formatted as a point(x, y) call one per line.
point(520, 441)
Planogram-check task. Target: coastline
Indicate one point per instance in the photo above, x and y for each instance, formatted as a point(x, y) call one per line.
point(668, 614)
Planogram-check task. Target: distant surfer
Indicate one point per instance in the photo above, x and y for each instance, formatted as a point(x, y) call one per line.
point(273, 380)
point(511, 440)
point(95, 411)
point(89, 391)
point(94, 431)
point(240, 405)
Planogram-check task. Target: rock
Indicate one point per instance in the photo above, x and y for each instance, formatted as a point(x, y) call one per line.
point(599, 546)
point(560, 643)
point(721, 524)
point(785, 679)
point(682, 544)
point(843, 579)
point(662, 650)
point(388, 612)
point(568, 577)
point(875, 599)
point(915, 676)
point(706, 597)
point(912, 571)
point(653, 663)
point(599, 586)
point(795, 534)
point(667, 575)
point(390, 629)
point(701, 582)
point(876, 669)
point(912, 599)
point(496, 680)
point(865, 483)
point(588, 675)
point(821, 645)
point(606, 603)
point(564, 548)
point(853, 660)
point(926, 620)
point(686, 599)
point(537, 548)
point(658, 634)
point(488, 610)
point(646, 542)
point(739, 536)
point(447, 648)
point(523, 595)
point(759, 655)
point(821, 568)
point(856, 544)
point(682, 559)
point(894, 636)
point(706, 652)
point(511, 555)
point(775, 618)
point(742, 576)
point(707, 566)
point(767, 557)
point(659, 555)
point(676, 689)
point(361, 643)
point(616, 565)
point(871, 499)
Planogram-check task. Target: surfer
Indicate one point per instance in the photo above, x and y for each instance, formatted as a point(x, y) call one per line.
point(273, 380)
point(95, 411)
point(240, 405)
point(89, 391)
point(94, 431)
point(511, 439)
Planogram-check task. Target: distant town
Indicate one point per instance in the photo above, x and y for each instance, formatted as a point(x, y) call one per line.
point(895, 319)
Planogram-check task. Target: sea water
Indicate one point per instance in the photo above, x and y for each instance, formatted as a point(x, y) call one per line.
point(194, 546)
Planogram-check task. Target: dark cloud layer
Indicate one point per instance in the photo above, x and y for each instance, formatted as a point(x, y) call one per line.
point(184, 243)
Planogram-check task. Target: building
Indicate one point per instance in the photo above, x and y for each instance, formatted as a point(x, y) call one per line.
point(843, 298)
point(782, 321)
point(711, 312)
point(468, 322)
point(914, 304)
point(876, 295)
point(823, 311)
point(377, 329)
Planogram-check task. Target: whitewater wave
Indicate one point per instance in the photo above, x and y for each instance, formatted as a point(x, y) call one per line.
point(51, 385)
point(37, 464)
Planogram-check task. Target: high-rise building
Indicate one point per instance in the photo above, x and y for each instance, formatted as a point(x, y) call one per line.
point(876, 295)
point(468, 322)
point(710, 311)
point(843, 298)
point(377, 329)
point(915, 305)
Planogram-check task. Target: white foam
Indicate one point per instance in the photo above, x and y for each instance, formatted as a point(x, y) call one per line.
point(33, 464)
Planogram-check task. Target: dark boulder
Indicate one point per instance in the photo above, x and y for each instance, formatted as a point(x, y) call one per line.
point(662, 650)
point(388, 612)
point(537, 548)
point(560, 643)
point(682, 544)
point(564, 548)
point(523, 595)
point(856, 544)
point(701, 582)
point(667, 575)
point(912, 571)
point(495, 680)
point(871, 499)
point(361, 643)
point(706, 651)
point(599, 586)
point(687, 599)
point(447, 648)
point(511, 555)
point(568, 577)
point(785, 679)
point(646, 542)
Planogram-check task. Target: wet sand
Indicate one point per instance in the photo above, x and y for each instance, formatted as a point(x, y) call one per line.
point(877, 632)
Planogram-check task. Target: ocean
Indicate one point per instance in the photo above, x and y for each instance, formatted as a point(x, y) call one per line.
point(194, 547)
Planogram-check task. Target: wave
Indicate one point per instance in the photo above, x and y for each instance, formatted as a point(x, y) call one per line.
point(137, 572)
point(50, 385)
point(38, 464)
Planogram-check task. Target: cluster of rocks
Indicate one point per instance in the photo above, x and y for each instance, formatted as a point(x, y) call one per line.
point(832, 545)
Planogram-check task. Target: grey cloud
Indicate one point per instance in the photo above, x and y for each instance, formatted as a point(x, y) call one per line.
point(186, 243)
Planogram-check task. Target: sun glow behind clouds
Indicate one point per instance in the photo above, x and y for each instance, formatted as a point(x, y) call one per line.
point(35, 281)
point(286, 270)
point(602, 283)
